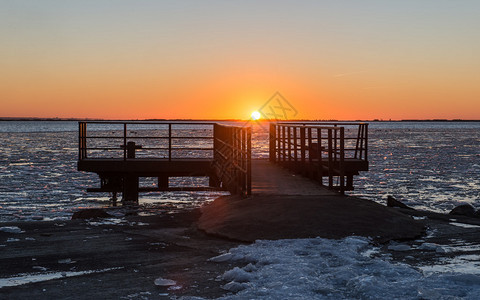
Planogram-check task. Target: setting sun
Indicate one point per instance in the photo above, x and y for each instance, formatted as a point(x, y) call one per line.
point(256, 115)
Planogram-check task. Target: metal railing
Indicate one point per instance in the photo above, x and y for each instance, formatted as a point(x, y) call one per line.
point(232, 157)
point(166, 140)
point(228, 147)
point(324, 147)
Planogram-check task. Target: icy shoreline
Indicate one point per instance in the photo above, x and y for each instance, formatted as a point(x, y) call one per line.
point(335, 269)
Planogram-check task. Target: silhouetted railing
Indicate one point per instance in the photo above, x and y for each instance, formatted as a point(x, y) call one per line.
point(125, 140)
point(121, 152)
point(232, 157)
point(321, 150)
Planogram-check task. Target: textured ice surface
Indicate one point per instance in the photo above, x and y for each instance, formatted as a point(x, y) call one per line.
point(11, 229)
point(426, 165)
point(340, 269)
point(164, 282)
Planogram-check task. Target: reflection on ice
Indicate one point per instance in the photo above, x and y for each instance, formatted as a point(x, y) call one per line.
point(21, 279)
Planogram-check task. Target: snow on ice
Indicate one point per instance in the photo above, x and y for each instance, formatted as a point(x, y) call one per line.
point(335, 269)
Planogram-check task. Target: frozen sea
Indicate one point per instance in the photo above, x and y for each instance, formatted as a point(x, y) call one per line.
point(428, 165)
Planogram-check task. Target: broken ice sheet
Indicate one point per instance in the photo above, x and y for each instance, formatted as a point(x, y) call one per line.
point(11, 229)
point(164, 282)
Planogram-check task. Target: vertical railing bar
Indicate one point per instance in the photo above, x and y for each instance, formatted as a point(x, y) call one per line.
point(289, 143)
point(330, 160)
point(272, 141)
point(249, 161)
point(169, 141)
point(302, 148)
point(366, 141)
point(80, 150)
point(124, 141)
point(283, 144)
point(342, 159)
point(295, 154)
point(309, 143)
point(358, 143)
point(319, 156)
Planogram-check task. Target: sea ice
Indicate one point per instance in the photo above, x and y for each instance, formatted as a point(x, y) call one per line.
point(234, 286)
point(164, 282)
point(338, 269)
point(238, 275)
point(66, 261)
point(464, 225)
point(21, 279)
point(226, 257)
point(11, 229)
point(431, 247)
point(399, 247)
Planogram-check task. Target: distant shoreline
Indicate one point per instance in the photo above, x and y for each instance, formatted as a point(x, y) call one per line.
point(230, 120)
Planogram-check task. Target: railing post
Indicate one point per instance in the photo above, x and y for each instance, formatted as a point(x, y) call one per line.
point(283, 144)
point(272, 142)
point(342, 159)
point(319, 156)
point(295, 144)
point(249, 161)
point(169, 141)
point(124, 141)
point(302, 148)
point(366, 141)
point(80, 140)
point(330, 159)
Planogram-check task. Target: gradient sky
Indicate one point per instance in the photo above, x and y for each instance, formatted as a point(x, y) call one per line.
point(224, 59)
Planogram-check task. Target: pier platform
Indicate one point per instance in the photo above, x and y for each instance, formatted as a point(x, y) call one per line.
point(284, 205)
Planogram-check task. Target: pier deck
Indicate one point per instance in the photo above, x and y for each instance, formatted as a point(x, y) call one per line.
point(271, 179)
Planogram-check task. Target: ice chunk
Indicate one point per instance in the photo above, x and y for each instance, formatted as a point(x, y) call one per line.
point(464, 225)
point(238, 275)
point(174, 287)
point(250, 268)
point(222, 258)
point(9, 240)
point(66, 261)
point(11, 229)
point(234, 286)
point(164, 282)
point(429, 247)
point(399, 247)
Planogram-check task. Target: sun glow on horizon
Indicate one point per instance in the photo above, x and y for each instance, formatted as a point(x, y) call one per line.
point(256, 115)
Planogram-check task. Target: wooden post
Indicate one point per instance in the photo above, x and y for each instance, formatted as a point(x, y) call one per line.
point(131, 149)
point(163, 182)
point(130, 188)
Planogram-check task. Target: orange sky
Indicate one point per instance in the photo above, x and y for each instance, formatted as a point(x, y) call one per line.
point(224, 60)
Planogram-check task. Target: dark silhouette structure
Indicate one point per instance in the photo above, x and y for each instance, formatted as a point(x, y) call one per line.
point(122, 153)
